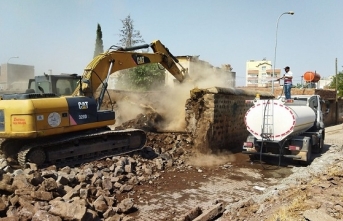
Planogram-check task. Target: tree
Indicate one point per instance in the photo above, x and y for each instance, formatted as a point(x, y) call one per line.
point(128, 35)
point(143, 77)
point(99, 46)
point(339, 80)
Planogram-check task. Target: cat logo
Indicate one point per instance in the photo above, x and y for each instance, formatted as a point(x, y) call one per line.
point(140, 60)
point(83, 105)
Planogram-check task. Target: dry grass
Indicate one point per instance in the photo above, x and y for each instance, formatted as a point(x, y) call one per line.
point(336, 171)
point(291, 212)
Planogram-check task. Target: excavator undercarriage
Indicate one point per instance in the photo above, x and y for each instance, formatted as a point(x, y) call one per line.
point(75, 148)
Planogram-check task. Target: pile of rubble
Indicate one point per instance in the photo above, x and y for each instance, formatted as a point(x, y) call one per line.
point(98, 190)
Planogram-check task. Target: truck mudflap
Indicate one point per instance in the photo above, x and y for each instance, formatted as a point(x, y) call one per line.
point(296, 157)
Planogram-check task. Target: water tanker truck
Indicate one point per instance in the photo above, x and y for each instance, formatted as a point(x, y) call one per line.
point(285, 128)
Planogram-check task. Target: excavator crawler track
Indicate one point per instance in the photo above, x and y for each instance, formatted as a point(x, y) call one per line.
point(77, 148)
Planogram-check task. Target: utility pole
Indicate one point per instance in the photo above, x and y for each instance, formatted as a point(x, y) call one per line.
point(336, 103)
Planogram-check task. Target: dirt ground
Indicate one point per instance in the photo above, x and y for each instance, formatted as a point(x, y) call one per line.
point(309, 193)
point(248, 191)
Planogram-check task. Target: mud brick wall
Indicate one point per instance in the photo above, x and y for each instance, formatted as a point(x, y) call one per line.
point(215, 117)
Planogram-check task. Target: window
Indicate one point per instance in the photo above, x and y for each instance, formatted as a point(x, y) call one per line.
point(263, 68)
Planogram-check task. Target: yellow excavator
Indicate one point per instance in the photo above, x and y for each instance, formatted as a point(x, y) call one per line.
point(46, 128)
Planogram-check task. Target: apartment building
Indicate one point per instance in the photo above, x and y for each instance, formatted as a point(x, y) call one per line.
point(259, 73)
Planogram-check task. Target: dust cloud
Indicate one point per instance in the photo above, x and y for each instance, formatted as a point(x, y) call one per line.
point(210, 160)
point(169, 101)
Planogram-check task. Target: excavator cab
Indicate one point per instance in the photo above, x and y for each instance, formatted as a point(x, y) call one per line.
point(61, 85)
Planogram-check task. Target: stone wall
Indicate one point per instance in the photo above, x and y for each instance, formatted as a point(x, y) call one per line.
point(215, 117)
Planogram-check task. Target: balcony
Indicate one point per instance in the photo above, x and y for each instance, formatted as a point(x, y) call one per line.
point(270, 71)
point(253, 72)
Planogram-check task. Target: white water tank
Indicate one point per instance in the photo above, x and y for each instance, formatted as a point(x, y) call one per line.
point(280, 120)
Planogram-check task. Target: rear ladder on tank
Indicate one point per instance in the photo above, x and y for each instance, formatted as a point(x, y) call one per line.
point(267, 130)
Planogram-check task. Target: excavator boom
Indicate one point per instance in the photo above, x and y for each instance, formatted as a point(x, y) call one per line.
point(98, 70)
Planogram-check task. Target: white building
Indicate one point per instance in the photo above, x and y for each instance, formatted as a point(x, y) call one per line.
point(259, 73)
point(324, 82)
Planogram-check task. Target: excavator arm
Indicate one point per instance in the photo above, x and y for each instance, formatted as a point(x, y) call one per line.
point(98, 70)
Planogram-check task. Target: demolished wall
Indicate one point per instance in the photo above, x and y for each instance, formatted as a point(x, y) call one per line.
point(215, 117)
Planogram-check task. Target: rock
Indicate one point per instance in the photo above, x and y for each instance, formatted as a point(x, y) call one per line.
point(42, 215)
point(83, 193)
point(22, 192)
point(317, 215)
point(35, 178)
point(49, 184)
point(107, 184)
point(68, 210)
point(29, 210)
point(128, 168)
point(118, 171)
point(115, 217)
point(42, 205)
point(169, 163)
point(110, 200)
point(81, 177)
point(42, 195)
point(32, 166)
point(126, 188)
point(3, 163)
point(125, 205)
point(338, 208)
point(100, 204)
point(20, 182)
point(13, 199)
point(90, 215)
point(66, 170)
point(5, 183)
point(128, 218)
point(12, 212)
point(72, 193)
point(62, 179)
point(2, 205)
point(25, 213)
point(49, 174)
point(147, 170)
point(109, 213)
point(96, 180)
point(117, 185)
point(159, 164)
point(148, 153)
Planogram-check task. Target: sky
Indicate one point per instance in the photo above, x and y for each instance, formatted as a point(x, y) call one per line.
point(59, 36)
